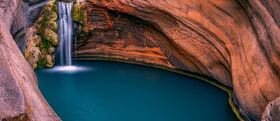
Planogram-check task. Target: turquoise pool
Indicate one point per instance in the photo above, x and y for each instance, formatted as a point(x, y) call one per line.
point(112, 91)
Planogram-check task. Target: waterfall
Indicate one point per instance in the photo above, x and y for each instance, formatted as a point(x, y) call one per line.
point(65, 31)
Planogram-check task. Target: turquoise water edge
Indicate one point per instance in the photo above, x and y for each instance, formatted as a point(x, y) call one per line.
point(112, 91)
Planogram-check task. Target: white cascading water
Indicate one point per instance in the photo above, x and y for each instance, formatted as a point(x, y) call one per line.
point(65, 33)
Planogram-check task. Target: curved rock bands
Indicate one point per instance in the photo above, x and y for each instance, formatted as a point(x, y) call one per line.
point(235, 42)
point(119, 36)
point(111, 29)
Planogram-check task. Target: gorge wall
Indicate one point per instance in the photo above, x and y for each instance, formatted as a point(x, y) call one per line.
point(20, 98)
point(235, 42)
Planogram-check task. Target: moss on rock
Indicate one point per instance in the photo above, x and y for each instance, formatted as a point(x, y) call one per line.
point(79, 15)
point(43, 38)
point(42, 62)
point(51, 37)
point(50, 60)
point(53, 25)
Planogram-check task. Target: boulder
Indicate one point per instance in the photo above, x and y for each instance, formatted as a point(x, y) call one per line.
point(20, 97)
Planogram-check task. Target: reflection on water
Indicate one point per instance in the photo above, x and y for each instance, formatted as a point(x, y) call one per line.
point(67, 69)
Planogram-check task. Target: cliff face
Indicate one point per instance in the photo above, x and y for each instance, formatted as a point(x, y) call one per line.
point(121, 36)
point(235, 42)
point(20, 98)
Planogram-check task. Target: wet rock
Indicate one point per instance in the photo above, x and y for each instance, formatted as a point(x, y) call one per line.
point(34, 10)
point(33, 15)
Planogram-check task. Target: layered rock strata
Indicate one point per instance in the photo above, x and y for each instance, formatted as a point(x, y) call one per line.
point(119, 36)
point(235, 42)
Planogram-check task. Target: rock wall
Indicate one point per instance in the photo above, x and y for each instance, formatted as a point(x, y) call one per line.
point(122, 37)
point(234, 41)
point(20, 98)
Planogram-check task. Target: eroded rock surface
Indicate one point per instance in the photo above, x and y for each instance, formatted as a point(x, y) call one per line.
point(235, 42)
point(120, 37)
point(20, 98)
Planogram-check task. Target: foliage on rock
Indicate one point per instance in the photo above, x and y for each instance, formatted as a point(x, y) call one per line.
point(79, 15)
point(43, 38)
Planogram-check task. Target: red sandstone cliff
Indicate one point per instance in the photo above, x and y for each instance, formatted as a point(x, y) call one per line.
point(235, 42)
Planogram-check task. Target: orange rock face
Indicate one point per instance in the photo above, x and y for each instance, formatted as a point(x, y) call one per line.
point(119, 36)
point(235, 42)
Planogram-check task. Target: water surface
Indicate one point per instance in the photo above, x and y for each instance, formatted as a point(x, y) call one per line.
point(111, 91)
